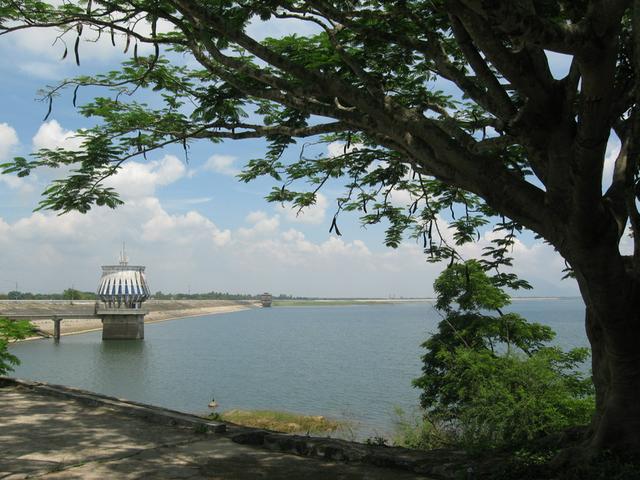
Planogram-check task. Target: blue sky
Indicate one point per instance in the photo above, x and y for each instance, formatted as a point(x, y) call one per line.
point(193, 225)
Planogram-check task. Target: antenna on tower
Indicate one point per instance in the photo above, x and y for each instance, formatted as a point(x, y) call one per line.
point(123, 256)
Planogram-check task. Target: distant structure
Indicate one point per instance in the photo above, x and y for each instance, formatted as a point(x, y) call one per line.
point(122, 290)
point(266, 299)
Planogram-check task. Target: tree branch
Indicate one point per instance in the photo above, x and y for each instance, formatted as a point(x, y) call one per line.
point(519, 21)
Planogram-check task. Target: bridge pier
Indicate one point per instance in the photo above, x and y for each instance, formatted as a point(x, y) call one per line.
point(56, 328)
point(122, 323)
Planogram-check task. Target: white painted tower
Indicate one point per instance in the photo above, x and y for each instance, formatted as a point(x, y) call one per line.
point(122, 290)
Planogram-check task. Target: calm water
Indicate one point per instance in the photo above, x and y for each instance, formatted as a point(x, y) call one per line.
point(353, 362)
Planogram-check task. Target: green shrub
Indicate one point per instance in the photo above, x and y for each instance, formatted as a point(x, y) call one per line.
point(11, 331)
point(419, 432)
point(512, 399)
point(491, 380)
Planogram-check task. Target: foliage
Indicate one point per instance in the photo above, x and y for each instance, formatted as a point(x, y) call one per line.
point(491, 380)
point(418, 432)
point(200, 429)
point(217, 296)
point(73, 294)
point(469, 326)
point(10, 331)
point(525, 464)
point(205, 296)
point(605, 466)
point(509, 146)
point(446, 152)
point(290, 87)
point(510, 400)
point(376, 441)
point(77, 295)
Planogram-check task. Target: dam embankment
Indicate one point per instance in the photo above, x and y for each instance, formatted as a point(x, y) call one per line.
point(159, 310)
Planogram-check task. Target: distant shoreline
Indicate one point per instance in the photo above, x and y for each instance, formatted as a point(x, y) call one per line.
point(158, 313)
point(378, 301)
point(166, 310)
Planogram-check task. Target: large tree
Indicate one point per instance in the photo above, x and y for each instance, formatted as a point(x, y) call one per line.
point(511, 139)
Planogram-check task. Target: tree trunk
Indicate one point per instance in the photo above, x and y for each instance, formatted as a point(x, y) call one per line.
point(613, 329)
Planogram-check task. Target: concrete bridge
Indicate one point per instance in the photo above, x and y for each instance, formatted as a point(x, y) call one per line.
point(77, 311)
point(56, 318)
point(116, 323)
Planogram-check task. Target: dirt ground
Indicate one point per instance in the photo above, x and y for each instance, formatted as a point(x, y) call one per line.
point(49, 437)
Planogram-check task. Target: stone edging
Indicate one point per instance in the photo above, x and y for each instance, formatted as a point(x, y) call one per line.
point(437, 464)
point(150, 413)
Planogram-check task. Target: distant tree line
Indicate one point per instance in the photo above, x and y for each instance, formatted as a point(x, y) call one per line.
point(73, 294)
point(68, 294)
point(215, 296)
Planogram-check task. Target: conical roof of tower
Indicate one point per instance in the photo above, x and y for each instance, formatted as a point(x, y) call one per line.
point(123, 285)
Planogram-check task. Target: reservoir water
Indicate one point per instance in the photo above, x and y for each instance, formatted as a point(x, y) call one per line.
point(347, 362)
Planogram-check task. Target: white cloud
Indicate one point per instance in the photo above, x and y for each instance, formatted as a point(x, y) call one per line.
point(136, 180)
point(8, 140)
point(224, 164)
point(401, 198)
point(51, 135)
point(16, 183)
point(45, 44)
point(534, 261)
point(338, 148)
point(261, 225)
point(626, 243)
point(50, 227)
point(291, 249)
point(46, 252)
point(613, 149)
point(559, 64)
point(179, 230)
point(315, 214)
point(46, 70)
point(280, 27)
point(133, 180)
point(194, 201)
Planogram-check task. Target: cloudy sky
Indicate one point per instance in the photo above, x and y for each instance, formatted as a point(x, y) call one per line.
point(192, 224)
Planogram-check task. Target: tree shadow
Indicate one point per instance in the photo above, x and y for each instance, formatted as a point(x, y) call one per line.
point(61, 438)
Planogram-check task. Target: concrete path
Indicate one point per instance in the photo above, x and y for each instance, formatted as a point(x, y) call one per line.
point(43, 436)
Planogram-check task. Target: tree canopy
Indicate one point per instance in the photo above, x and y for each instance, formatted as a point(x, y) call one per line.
point(508, 140)
point(371, 77)
point(491, 378)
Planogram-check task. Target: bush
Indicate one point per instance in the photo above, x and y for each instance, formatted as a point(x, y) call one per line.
point(512, 399)
point(491, 380)
point(11, 331)
point(419, 432)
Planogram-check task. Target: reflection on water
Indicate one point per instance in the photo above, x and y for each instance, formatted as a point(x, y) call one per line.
point(353, 362)
point(121, 364)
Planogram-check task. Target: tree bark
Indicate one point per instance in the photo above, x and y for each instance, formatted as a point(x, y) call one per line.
point(613, 329)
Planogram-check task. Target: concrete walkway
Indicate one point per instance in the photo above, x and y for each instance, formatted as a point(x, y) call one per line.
point(51, 437)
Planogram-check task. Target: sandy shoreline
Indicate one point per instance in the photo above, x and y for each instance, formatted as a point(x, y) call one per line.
point(74, 326)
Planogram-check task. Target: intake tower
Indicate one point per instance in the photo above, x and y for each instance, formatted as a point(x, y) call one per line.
point(122, 290)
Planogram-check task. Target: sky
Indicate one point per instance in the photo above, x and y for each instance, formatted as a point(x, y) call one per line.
point(193, 224)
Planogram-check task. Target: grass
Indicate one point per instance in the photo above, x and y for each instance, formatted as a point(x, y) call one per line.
point(285, 422)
